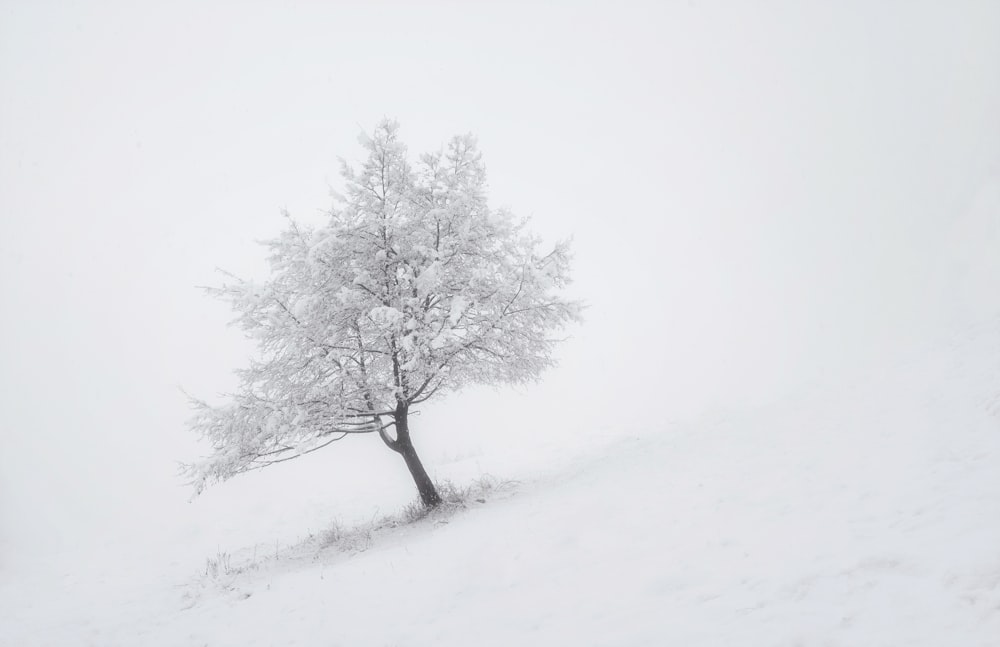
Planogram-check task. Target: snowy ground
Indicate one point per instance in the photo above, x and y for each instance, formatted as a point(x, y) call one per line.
point(760, 195)
point(864, 515)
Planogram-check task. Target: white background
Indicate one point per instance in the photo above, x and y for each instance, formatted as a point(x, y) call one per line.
point(761, 195)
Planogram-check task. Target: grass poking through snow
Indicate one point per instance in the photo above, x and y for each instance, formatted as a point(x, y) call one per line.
point(222, 572)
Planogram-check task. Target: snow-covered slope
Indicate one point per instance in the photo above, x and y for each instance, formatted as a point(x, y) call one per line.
point(761, 195)
point(861, 516)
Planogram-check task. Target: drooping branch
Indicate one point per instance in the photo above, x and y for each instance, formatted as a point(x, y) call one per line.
point(362, 428)
point(256, 465)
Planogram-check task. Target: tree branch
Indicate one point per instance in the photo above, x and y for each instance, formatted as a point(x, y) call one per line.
point(287, 458)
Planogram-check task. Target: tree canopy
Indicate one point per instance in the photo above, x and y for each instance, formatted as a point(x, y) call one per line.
point(414, 287)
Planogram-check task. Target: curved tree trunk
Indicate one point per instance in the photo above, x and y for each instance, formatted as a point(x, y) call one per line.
point(403, 445)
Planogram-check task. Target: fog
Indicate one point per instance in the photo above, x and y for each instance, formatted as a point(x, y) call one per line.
point(760, 199)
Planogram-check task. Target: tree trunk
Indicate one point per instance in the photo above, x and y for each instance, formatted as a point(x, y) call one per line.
point(425, 486)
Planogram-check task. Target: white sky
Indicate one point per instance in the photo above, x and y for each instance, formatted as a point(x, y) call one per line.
point(757, 194)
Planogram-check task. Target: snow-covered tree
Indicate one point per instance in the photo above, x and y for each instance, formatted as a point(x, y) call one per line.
point(413, 288)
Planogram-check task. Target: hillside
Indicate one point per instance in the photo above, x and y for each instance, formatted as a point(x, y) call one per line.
point(777, 425)
point(861, 517)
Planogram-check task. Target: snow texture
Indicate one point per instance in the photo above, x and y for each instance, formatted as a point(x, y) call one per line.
point(865, 516)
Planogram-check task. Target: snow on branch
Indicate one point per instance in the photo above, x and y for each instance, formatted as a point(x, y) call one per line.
point(414, 287)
